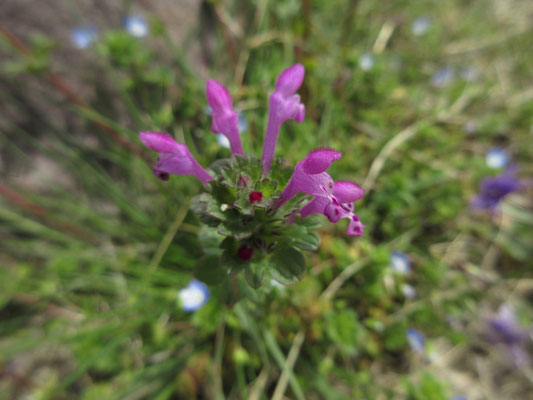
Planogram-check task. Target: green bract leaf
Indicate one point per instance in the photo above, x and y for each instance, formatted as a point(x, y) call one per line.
point(301, 237)
point(229, 258)
point(292, 205)
point(280, 173)
point(221, 193)
point(238, 228)
point(243, 202)
point(214, 209)
point(242, 171)
point(288, 265)
point(209, 270)
point(255, 272)
point(269, 192)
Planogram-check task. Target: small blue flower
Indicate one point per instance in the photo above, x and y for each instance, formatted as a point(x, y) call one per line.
point(443, 77)
point(497, 158)
point(223, 141)
point(83, 37)
point(416, 340)
point(194, 296)
point(243, 123)
point(221, 138)
point(136, 26)
point(408, 291)
point(366, 61)
point(421, 26)
point(458, 398)
point(399, 262)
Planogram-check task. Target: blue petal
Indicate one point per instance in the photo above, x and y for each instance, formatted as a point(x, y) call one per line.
point(223, 141)
point(497, 158)
point(136, 25)
point(194, 296)
point(416, 340)
point(366, 61)
point(400, 262)
point(243, 123)
point(83, 37)
point(442, 77)
point(421, 26)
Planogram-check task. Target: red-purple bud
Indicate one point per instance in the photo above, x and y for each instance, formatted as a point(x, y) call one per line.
point(245, 252)
point(243, 180)
point(255, 197)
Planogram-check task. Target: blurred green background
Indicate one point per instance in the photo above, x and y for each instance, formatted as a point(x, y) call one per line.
point(94, 249)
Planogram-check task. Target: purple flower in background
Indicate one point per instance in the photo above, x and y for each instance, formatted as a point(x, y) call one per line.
point(174, 158)
point(284, 104)
point(421, 26)
point(194, 296)
point(458, 398)
point(416, 340)
point(497, 158)
point(494, 189)
point(443, 77)
point(136, 26)
point(83, 37)
point(400, 263)
point(503, 329)
point(366, 61)
point(224, 119)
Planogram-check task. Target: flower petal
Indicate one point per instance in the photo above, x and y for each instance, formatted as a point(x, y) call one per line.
point(225, 120)
point(160, 142)
point(290, 80)
point(355, 228)
point(315, 206)
point(347, 192)
point(218, 96)
point(319, 160)
point(174, 164)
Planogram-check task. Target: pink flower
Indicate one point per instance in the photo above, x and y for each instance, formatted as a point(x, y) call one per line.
point(284, 105)
point(174, 158)
point(225, 119)
point(338, 205)
point(310, 175)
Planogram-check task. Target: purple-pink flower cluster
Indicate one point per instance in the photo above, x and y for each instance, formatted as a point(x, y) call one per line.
point(333, 199)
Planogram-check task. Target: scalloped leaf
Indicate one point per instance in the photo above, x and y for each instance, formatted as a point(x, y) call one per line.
point(209, 270)
point(256, 271)
point(243, 202)
point(240, 167)
point(288, 265)
point(280, 173)
point(229, 257)
point(268, 188)
point(302, 237)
